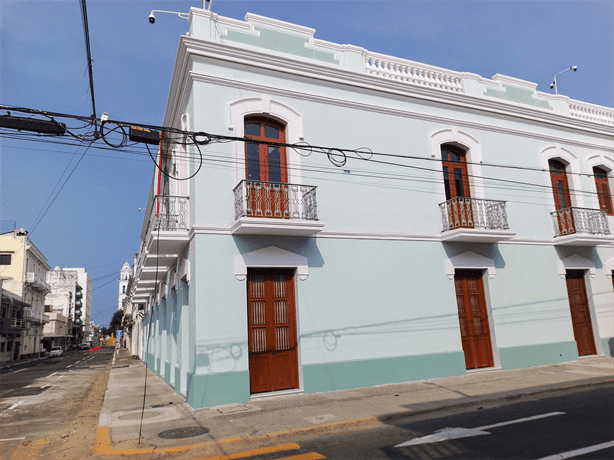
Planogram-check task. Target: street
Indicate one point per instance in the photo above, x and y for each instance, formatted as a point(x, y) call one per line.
point(42, 397)
point(574, 421)
point(50, 409)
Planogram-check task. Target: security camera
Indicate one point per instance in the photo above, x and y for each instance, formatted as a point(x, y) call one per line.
point(152, 18)
point(574, 67)
point(551, 85)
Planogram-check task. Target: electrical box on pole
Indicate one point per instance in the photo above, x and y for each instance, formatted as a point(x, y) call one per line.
point(32, 124)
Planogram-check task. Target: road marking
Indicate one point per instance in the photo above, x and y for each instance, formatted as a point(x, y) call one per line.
point(19, 370)
point(45, 386)
point(68, 366)
point(575, 453)
point(11, 439)
point(455, 433)
point(60, 376)
point(51, 375)
point(309, 456)
point(15, 405)
point(254, 452)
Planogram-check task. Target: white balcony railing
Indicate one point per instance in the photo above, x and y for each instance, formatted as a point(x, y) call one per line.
point(169, 213)
point(591, 112)
point(412, 73)
point(473, 213)
point(275, 200)
point(569, 221)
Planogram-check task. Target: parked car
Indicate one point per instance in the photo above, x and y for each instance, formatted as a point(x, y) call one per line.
point(56, 351)
point(84, 346)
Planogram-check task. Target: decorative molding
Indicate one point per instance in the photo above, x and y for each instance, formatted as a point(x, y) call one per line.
point(271, 256)
point(231, 55)
point(445, 121)
point(263, 104)
point(576, 262)
point(558, 153)
point(474, 159)
point(469, 260)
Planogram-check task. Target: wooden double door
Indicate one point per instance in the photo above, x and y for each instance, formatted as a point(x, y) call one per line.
point(580, 314)
point(473, 318)
point(272, 336)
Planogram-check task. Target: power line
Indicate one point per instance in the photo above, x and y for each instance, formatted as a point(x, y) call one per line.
point(86, 33)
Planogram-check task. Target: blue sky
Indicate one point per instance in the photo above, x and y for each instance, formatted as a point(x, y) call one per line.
point(95, 221)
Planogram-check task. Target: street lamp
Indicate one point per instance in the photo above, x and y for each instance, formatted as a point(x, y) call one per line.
point(152, 18)
point(553, 84)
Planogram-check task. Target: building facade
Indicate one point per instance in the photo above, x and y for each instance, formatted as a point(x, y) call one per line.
point(84, 281)
point(23, 269)
point(64, 305)
point(124, 278)
point(381, 221)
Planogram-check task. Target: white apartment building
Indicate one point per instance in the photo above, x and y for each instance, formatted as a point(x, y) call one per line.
point(23, 269)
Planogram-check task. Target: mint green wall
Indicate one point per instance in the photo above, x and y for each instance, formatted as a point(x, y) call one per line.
point(411, 205)
point(362, 373)
point(537, 355)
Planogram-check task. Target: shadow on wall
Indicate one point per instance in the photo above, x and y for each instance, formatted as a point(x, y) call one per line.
point(611, 346)
point(225, 357)
point(490, 251)
point(306, 247)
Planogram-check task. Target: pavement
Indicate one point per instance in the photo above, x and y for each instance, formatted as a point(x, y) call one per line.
point(168, 413)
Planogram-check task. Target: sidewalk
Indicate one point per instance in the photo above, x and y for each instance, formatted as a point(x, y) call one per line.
point(165, 410)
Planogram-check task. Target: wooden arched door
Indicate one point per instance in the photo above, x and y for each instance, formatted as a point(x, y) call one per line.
point(456, 185)
point(562, 198)
point(266, 169)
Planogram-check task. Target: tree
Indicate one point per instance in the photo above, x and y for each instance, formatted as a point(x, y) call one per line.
point(116, 321)
point(104, 332)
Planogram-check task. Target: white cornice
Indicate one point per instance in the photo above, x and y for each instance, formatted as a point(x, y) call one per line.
point(392, 111)
point(382, 236)
point(191, 49)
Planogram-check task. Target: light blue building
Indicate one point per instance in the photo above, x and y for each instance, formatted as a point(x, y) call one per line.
point(386, 221)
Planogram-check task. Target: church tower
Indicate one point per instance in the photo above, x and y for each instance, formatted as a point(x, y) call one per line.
point(125, 274)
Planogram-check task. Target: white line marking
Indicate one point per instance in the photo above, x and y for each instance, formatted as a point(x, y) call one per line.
point(68, 366)
point(575, 453)
point(15, 405)
point(19, 370)
point(456, 433)
point(11, 439)
point(45, 386)
point(526, 419)
point(51, 375)
point(60, 376)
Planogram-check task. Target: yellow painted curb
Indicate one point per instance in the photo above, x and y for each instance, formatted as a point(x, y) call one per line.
point(103, 439)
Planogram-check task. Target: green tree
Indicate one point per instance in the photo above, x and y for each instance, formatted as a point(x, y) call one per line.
point(116, 321)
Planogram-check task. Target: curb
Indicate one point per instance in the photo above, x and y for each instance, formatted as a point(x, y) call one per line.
point(104, 443)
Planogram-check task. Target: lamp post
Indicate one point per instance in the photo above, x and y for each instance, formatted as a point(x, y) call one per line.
point(553, 84)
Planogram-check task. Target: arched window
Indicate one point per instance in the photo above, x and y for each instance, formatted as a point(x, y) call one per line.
point(560, 186)
point(264, 162)
point(455, 176)
point(603, 191)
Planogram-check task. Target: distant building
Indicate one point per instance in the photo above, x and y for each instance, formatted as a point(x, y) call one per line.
point(124, 279)
point(24, 270)
point(64, 304)
point(85, 282)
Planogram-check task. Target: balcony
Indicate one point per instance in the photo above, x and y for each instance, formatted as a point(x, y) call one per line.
point(166, 235)
point(37, 283)
point(272, 208)
point(581, 227)
point(472, 220)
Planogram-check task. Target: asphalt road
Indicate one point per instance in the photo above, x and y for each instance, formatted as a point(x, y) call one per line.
point(34, 395)
point(574, 421)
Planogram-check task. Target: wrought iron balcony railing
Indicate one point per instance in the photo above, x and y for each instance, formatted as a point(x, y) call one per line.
point(169, 213)
point(462, 212)
point(275, 200)
point(568, 221)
